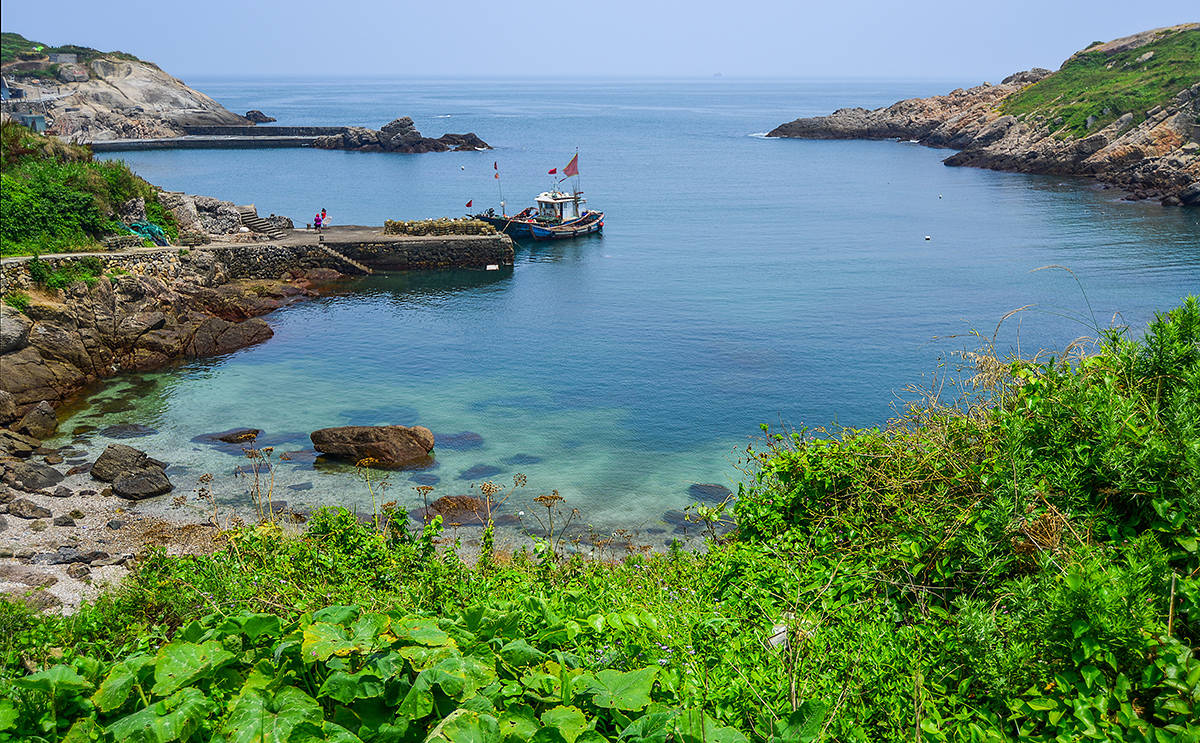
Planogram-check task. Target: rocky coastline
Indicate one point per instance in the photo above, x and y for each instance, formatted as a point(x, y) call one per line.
point(399, 135)
point(1152, 154)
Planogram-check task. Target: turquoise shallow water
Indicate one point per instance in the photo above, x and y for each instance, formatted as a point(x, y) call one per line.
point(739, 281)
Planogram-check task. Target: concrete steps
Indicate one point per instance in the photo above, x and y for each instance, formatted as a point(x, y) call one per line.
point(255, 223)
point(345, 259)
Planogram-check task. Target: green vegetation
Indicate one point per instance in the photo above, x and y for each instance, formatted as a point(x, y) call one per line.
point(86, 269)
point(56, 197)
point(14, 46)
point(1021, 565)
point(1104, 86)
point(19, 301)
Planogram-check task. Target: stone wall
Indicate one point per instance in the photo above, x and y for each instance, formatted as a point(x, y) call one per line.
point(271, 261)
point(263, 131)
point(465, 251)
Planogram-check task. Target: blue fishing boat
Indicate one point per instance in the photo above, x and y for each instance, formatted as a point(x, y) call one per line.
point(561, 215)
point(555, 215)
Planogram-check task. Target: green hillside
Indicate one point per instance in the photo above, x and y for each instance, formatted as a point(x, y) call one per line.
point(1107, 86)
point(55, 197)
point(13, 45)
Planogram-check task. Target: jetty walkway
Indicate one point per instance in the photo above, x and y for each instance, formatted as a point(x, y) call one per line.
point(348, 249)
point(224, 138)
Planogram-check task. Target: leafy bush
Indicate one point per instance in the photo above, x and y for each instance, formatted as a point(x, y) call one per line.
point(86, 269)
point(17, 300)
point(55, 197)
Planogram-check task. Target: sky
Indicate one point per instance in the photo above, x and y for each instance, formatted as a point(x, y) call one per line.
point(600, 38)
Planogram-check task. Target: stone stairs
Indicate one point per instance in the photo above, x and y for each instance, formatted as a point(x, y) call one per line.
point(255, 223)
point(345, 259)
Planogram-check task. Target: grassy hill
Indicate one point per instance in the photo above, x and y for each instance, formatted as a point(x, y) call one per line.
point(14, 45)
point(1106, 82)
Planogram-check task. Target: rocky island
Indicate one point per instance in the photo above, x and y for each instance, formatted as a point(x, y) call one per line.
point(1124, 112)
point(86, 95)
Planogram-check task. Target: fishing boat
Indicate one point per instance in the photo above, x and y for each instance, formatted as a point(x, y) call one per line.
point(561, 215)
point(516, 225)
point(555, 215)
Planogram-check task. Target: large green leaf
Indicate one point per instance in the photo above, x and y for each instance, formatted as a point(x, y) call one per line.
point(346, 687)
point(465, 726)
point(85, 730)
point(173, 718)
point(624, 691)
point(460, 676)
point(693, 726)
point(569, 721)
point(421, 657)
point(518, 723)
point(255, 626)
point(260, 717)
point(652, 727)
point(337, 614)
point(181, 663)
point(327, 732)
point(56, 681)
point(323, 640)
point(521, 653)
point(8, 715)
point(115, 688)
point(801, 726)
point(420, 630)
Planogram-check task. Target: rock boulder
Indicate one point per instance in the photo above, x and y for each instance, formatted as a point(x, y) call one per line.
point(258, 117)
point(40, 422)
point(14, 329)
point(142, 483)
point(119, 459)
point(33, 476)
point(391, 446)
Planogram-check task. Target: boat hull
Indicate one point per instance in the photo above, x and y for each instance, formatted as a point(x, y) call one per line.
point(588, 224)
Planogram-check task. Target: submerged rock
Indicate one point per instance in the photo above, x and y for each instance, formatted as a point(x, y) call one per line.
point(459, 441)
point(127, 431)
point(710, 492)
point(390, 446)
point(480, 471)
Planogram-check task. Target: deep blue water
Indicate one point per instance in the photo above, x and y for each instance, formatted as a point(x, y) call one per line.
point(739, 281)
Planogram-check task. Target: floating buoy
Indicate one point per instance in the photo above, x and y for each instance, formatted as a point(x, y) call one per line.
point(462, 167)
point(939, 196)
point(927, 237)
point(493, 267)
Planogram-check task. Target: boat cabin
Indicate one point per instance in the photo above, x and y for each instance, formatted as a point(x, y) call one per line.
point(556, 206)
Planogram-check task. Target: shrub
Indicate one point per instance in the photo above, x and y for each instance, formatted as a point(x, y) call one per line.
point(17, 300)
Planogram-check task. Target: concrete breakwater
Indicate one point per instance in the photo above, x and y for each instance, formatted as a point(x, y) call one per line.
point(225, 137)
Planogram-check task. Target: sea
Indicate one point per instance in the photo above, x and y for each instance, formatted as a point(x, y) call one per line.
point(740, 282)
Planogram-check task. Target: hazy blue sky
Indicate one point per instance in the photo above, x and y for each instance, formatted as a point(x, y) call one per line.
point(961, 40)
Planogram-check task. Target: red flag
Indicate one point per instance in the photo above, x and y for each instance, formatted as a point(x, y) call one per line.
point(551, 171)
point(472, 201)
point(495, 165)
point(572, 167)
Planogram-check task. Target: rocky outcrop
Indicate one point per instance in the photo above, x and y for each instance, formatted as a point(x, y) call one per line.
point(1151, 154)
point(202, 213)
point(400, 135)
point(258, 117)
point(165, 307)
point(40, 422)
point(133, 474)
point(389, 446)
point(112, 97)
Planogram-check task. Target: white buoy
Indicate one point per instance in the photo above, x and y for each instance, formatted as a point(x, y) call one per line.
point(462, 167)
point(493, 267)
point(939, 196)
point(927, 237)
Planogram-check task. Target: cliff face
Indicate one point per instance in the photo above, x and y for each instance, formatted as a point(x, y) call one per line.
point(115, 98)
point(1067, 122)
